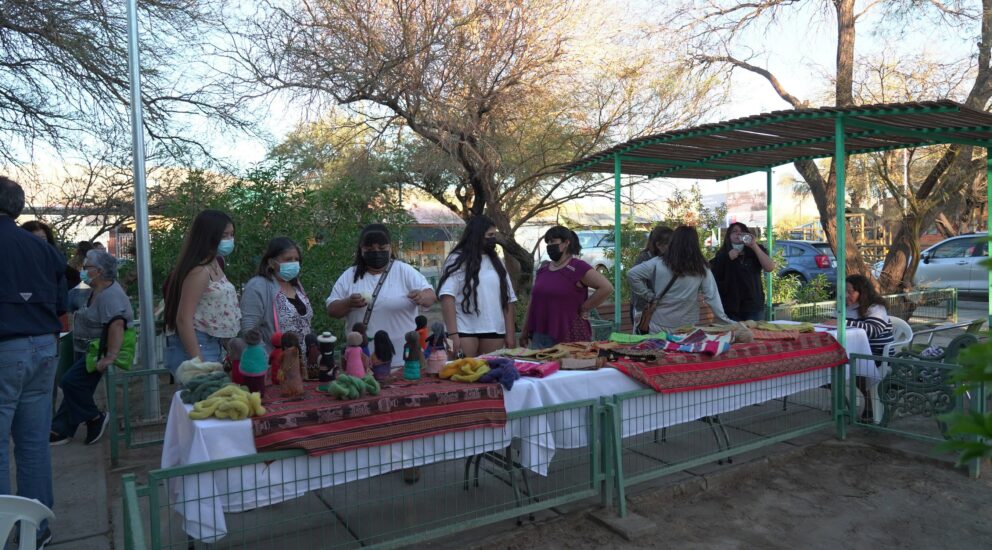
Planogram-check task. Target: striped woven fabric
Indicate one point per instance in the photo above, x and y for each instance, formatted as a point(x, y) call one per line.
point(319, 423)
point(675, 372)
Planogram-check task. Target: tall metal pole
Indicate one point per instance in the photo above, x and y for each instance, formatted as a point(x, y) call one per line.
point(840, 158)
point(144, 257)
point(769, 225)
point(617, 259)
point(988, 215)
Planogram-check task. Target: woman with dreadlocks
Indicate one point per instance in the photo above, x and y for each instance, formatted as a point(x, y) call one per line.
point(476, 293)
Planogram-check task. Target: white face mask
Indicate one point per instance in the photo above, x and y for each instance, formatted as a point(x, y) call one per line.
point(737, 246)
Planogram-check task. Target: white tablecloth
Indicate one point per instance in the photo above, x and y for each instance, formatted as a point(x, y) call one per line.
point(203, 499)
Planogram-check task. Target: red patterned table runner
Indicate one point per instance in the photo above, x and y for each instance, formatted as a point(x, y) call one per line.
point(319, 423)
point(742, 363)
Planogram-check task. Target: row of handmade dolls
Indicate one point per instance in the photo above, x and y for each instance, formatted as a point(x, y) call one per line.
point(288, 366)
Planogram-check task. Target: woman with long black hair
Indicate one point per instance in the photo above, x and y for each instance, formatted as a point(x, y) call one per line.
point(677, 277)
point(476, 294)
point(201, 305)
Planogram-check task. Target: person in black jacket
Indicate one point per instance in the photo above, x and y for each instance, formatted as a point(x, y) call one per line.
point(33, 296)
point(737, 268)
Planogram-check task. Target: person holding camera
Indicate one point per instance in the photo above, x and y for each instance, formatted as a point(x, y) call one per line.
point(737, 268)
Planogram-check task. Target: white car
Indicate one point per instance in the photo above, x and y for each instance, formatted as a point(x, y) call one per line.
point(954, 262)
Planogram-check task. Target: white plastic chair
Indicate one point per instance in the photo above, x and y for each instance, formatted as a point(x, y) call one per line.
point(29, 512)
point(903, 337)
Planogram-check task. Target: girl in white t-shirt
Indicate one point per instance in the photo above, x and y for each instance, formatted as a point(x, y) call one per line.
point(476, 293)
point(404, 291)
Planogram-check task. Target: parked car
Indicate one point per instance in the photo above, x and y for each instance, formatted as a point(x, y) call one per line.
point(807, 259)
point(955, 262)
point(595, 243)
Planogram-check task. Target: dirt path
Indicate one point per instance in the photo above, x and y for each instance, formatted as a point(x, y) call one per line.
point(833, 495)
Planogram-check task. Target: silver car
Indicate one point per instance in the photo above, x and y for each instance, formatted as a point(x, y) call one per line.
point(955, 263)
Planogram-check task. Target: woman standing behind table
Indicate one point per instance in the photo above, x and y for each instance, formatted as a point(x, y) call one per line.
point(402, 290)
point(560, 302)
point(476, 293)
point(656, 246)
point(201, 305)
point(684, 266)
point(107, 309)
point(274, 300)
point(737, 268)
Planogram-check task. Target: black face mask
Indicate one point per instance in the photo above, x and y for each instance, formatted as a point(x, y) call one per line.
point(489, 244)
point(376, 259)
point(554, 252)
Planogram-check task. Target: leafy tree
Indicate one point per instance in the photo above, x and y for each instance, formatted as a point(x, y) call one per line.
point(719, 28)
point(498, 96)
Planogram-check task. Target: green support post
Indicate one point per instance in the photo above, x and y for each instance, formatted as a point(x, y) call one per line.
point(617, 259)
point(840, 159)
point(988, 215)
point(770, 235)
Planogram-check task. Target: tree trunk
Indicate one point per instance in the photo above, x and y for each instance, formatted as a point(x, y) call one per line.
point(844, 88)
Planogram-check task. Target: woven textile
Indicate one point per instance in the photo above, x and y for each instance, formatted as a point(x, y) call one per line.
point(404, 409)
point(675, 372)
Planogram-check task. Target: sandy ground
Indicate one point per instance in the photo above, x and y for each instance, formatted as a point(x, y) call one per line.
point(832, 495)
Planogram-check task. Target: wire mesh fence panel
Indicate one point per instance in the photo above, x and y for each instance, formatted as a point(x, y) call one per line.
point(386, 495)
point(929, 306)
point(663, 433)
point(137, 402)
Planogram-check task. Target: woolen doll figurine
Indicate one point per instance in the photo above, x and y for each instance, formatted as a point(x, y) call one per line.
point(253, 364)
point(275, 358)
point(437, 348)
point(290, 367)
point(235, 348)
point(356, 362)
point(413, 356)
point(382, 358)
point(312, 367)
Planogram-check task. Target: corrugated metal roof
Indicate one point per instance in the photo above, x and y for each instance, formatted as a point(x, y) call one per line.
point(736, 147)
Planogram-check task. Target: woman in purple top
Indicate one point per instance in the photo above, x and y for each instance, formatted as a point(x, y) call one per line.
point(560, 301)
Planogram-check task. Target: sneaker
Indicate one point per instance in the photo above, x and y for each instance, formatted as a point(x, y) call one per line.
point(96, 427)
point(56, 439)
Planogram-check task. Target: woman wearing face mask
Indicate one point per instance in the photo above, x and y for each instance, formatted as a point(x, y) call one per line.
point(201, 305)
point(737, 269)
point(274, 300)
point(560, 301)
point(476, 293)
point(402, 290)
point(674, 280)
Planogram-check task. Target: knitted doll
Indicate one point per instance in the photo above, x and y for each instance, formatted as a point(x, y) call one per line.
point(356, 362)
point(360, 328)
point(253, 365)
point(289, 365)
point(437, 348)
point(422, 330)
point(413, 357)
point(383, 357)
point(235, 347)
point(328, 370)
point(274, 357)
point(312, 367)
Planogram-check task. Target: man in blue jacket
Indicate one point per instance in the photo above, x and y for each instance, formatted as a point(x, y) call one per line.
point(32, 296)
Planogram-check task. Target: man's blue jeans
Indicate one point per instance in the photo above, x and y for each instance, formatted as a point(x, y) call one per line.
point(27, 374)
point(78, 387)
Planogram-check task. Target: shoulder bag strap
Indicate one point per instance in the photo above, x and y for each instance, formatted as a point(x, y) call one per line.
point(375, 294)
point(668, 286)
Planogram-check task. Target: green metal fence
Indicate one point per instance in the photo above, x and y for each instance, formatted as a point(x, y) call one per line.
point(659, 434)
point(359, 497)
point(922, 307)
point(912, 395)
point(137, 402)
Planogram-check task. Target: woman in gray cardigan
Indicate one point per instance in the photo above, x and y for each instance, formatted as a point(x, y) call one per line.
point(273, 300)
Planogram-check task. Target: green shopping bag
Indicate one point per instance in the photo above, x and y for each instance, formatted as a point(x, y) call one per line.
point(98, 348)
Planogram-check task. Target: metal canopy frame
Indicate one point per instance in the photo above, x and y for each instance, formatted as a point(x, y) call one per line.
point(734, 148)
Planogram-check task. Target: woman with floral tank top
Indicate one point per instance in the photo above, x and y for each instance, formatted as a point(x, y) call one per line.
point(201, 305)
point(274, 299)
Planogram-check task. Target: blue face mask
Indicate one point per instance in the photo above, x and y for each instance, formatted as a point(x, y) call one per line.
point(289, 270)
point(225, 247)
point(84, 275)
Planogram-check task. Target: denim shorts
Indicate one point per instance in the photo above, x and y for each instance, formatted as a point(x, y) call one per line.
point(175, 353)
